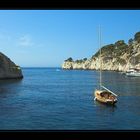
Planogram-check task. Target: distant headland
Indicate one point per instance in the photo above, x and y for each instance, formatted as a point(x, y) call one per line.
point(8, 69)
point(119, 56)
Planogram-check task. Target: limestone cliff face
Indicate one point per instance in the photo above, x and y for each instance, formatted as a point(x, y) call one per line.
point(8, 69)
point(117, 57)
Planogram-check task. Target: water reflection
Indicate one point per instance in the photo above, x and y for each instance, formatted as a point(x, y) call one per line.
point(9, 86)
point(10, 81)
point(103, 106)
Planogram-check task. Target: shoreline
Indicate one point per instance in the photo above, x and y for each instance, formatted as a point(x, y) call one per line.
point(93, 70)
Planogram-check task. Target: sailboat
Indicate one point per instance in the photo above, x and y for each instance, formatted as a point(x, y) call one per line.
point(133, 71)
point(103, 94)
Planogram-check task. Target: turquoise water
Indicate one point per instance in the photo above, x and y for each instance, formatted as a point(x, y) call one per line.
point(55, 99)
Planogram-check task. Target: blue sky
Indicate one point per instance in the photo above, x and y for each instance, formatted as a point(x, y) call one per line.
point(45, 38)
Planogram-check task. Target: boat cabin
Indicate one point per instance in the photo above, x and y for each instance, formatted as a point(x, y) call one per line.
point(106, 94)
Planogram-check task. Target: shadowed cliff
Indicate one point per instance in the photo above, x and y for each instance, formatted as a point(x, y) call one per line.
point(8, 69)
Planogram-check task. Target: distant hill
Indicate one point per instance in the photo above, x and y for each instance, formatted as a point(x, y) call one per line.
point(119, 56)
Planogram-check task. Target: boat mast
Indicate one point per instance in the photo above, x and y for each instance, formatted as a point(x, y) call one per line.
point(100, 57)
point(100, 45)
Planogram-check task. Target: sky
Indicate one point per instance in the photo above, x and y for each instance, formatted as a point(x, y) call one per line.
point(45, 38)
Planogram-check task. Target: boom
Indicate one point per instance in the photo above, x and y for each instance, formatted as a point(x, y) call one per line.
point(109, 90)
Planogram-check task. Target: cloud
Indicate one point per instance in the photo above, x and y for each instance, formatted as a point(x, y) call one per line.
point(25, 41)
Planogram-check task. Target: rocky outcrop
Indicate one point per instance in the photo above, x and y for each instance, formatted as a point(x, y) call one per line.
point(8, 69)
point(117, 57)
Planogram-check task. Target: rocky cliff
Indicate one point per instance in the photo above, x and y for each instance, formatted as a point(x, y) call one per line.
point(8, 69)
point(119, 56)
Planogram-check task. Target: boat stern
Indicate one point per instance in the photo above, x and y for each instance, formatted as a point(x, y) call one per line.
point(108, 101)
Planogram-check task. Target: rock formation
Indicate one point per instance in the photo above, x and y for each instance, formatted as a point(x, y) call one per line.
point(8, 69)
point(117, 57)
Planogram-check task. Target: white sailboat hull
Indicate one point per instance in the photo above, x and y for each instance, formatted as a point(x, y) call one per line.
point(133, 74)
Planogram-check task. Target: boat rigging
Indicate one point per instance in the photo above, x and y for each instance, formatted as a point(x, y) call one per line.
point(106, 95)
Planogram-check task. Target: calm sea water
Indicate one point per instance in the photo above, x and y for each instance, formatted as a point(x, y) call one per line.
point(55, 99)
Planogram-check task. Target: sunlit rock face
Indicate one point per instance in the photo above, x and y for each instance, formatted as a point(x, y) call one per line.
point(8, 69)
point(119, 56)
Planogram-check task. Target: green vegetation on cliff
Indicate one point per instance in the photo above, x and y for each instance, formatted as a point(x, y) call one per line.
point(69, 59)
point(114, 50)
point(137, 37)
